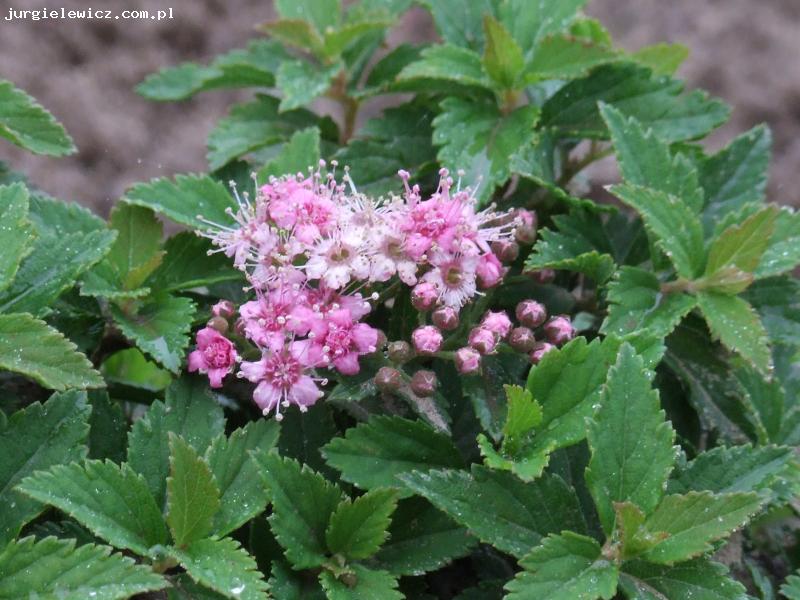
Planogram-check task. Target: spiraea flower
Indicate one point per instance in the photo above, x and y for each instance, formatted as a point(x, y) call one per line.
point(215, 356)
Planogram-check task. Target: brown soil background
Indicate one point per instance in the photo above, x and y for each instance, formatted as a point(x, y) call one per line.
point(745, 51)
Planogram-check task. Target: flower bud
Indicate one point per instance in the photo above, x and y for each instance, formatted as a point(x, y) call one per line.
point(380, 343)
point(559, 330)
point(445, 318)
point(497, 322)
point(489, 270)
point(468, 360)
point(539, 350)
point(506, 251)
point(531, 313)
point(399, 352)
point(424, 383)
point(219, 324)
point(388, 379)
point(224, 309)
point(542, 276)
point(526, 229)
point(427, 339)
point(424, 296)
point(521, 339)
point(483, 340)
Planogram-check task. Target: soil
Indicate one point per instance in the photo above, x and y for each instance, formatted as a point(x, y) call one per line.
point(84, 71)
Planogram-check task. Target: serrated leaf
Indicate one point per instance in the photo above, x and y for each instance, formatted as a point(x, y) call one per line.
point(447, 63)
point(672, 221)
point(736, 324)
point(53, 568)
point(631, 443)
point(302, 504)
point(663, 59)
point(242, 495)
point(183, 588)
point(566, 251)
point(298, 154)
point(193, 497)
point(322, 14)
point(530, 23)
point(108, 427)
point(791, 587)
point(55, 218)
point(25, 123)
point(357, 529)
point(296, 33)
point(422, 539)
point(32, 348)
point(766, 403)
point(160, 328)
point(499, 508)
point(16, 231)
point(301, 82)
point(502, 56)
point(35, 438)
point(566, 57)
point(373, 454)
point(184, 199)
point(137, 250)
point(783, 251)
point(524, 414)
point(564, 567)
point(303, 436)
point(694, 520)
point(698, 579)
point(224, 566)
point(190, 412)
point(130, 368)
point(369, 585)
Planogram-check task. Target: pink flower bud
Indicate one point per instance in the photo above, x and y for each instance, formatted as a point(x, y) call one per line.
point(489, 270)
point(219, 324)
point(424, 383)
point(224, 309)
point(427, 339)
point(483, 340)
point(468, 360)
point(497, 322)
point(388, 379)
point(542, 276)
point(521, 339)
point(506, 251)
point(559, 330)
point(445, 318)
point(531, 313)
point(399, 352)
point(424, 296)
point(526, 230)
point(539, 350)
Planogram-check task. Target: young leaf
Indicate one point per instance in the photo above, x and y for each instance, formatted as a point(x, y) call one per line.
point(530, 23)
point(35, 438)
point(783, 252)
point(192, 494)
point(372, 454)
point(502, 57)
point(631, 443)
point(791, 587)
point(499, 508)
point(301, 82)
point(53, 568)
point(663, 59)
point(25, 123)
point(447, 64)
point(295, 33)
point(694, 520)
point(223, 566)
point(287, 584)
point(564, 567)
point(242, 494)
point(300, 152)
point(322, 14)
point(55, 218)
point(358, 528)
point(701, 579)
point(369, 584)
point(32, 348)
point(734, 322)
point(16, 231)
point(459, 23)
point(566, 57)
point(302, 504)
point(190, 412)
point(524, 414)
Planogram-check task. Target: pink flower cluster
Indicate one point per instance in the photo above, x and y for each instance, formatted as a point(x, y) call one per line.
point(316, 252)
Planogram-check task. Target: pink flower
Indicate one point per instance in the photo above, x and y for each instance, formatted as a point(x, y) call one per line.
point(497, 322)
point(483, 340)
point(454, 278)
point(427, 339)
point(301, 205)
point(215, 356)
point(265, 319)
point(489, 270)
point(468, 360)
point(338, 259)
point(424, 296)
point(341, 341)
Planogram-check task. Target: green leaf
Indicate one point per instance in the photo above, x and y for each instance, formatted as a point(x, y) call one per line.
point(302, 504)
point(698, 579)
point(322, 14)
point(242, 495)
point(108, 427)
point(301, 82)
point(183, 588)
point(459, 23)
point(631, 443)
point(160, 327)
point(646, 160)
point(694, 520)
point(32, 348)
point(137, 250)
point(223, 566)
point(287, 584)
point(447, 63)
point(35, 438)
point(662, 59)
point(502, 57)
point(372, 454)
point(672, 221)
point(185, 199)
point(53, 569)
point(190, 412)
point(736, 324)
point(295, 33)
point(113, 502)
point(193, 497)
point(297, 155)
point(656, 102)
point(357, 529)
point(369, 585)
point(791, 587)
point(476, 137)
point(130, 368)
point(783, 252)
point(766, 402)
point(736, 175)
point(637, 305)
point(524, 414)
point(55, 218)
point(499, 508)
point(530, 23)
point(304, 434)
point(16, 231)
point(566, 57)
point(25, 123)
point(422, 539)
point(564, 567)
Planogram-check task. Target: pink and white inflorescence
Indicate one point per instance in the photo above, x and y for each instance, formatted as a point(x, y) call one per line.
point(316, 253)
